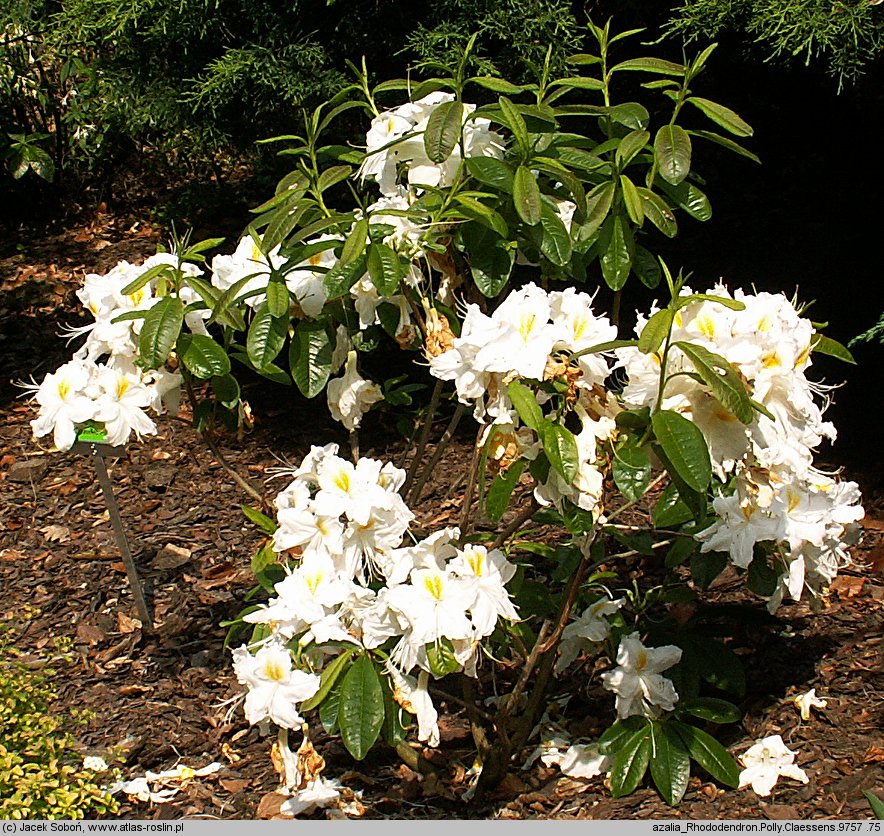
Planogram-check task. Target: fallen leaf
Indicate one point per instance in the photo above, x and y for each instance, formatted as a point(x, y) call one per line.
point(90, 634)
point(56, 533)
point(269, 805)
point(171, 557)
point(875, 754)
point(127, 625)
point(847, 586)
point(234, 784)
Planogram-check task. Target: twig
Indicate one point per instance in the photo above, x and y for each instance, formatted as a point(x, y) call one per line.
point(471, 487)
point(415, 495)
point(206, 435)
point(521, 518)
point(424, 437)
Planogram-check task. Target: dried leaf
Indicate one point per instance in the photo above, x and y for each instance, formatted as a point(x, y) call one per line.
point(56, 533)
point(127, 625)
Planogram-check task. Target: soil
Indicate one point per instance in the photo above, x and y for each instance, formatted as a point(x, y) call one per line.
point(162, 697)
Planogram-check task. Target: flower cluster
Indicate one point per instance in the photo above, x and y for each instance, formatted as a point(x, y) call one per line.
point(350, 580)
point(638, 681)
point(531, 336)
point(102, 383)
point(395, 144)
point(778, 498)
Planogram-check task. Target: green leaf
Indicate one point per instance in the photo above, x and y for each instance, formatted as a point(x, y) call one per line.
point(443, 130)
point(202, 356)
point(476, 210)
point(632, 200)
point(630, 114)
point(266, 337)
point(632, 471)
point(685, 447)
point(496, 85)
point(526, 196)
point(670, 763)
point(330, 709)
point(442, 658)
point(650, 65)
point(646, 267)
point(147, 276)
point(688, 197)
point(733, 304)
point(711, 709)
point(267, 525)
point(875, 803)
point(722, 116)
point(615, 736)
point(226, 390)
point(579, 82)
point(722, 378)
point(826, 345)
point(515, 122)
point(705, 568)
point(342, 277)
point(658, 212)
point(161, 328)
point(724, 142)
point(629, 146)
point(616, 259)
point(556, 242)
point(277, 298)
point(560, 447)
point(361, 712)
point(525, 402)
point(631, 763)
point(331, 673)
point(491, 172)
point(491, 261)
point(672, 149)
point(332, 176)
point(392, 730)
point(310, 357)
point(354, 245)
point(501, 490)
point(709, 753)
point(598, 204)
point(384, 268)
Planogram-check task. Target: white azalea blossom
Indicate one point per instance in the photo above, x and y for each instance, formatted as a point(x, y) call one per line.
point(351, 396)
point(637, 680)
point(766, 762)
point(807, 701)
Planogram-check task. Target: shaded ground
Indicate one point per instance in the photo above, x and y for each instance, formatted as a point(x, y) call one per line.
point(160, 698)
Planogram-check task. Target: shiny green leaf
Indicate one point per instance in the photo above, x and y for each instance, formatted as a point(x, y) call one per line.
point(709, 753)
point(685, 447)
point(631, 763)
point(526, 196)
point(443, 130)
point(202, 356)
point(266, 337)
point(672, 149)
point(310, 357)
point(722, 378)
point(670, 763)
point(632, 200)
point(616, 259)
point(560, 447)
point(722, 116)
point(361, 712)
point(160, 330)
point(525, 403)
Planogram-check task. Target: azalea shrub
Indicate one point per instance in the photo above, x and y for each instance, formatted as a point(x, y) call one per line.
point(688, 444)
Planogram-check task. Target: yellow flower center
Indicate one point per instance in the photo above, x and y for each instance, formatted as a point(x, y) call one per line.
point(274, 670)
point(433, 585)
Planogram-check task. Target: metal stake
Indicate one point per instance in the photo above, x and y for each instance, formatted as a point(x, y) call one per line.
point(97, 453)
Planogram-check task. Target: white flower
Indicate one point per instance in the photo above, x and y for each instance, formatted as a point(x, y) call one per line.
point(64, 403)
point(274, 688)
point(766, 761)
point(351, 396)
point(413, 695)
point(94, 763)
point(121, 405)
point(636, 680)
point(805, 702)
point(583, 761)
point(591, 627)
point(487, 572)
point(319, 793)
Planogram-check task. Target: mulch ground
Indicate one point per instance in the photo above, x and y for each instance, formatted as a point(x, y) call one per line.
point(162, 697)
